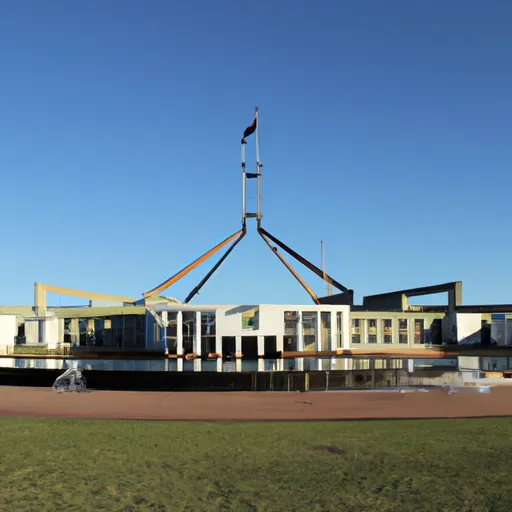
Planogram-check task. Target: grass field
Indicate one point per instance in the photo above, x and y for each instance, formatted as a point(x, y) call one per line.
point(431, 465)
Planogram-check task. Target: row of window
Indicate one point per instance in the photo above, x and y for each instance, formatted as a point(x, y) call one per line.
point(129, 330)
point(381, 331)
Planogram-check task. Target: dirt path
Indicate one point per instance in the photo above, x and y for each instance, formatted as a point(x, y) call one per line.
point(240, 406)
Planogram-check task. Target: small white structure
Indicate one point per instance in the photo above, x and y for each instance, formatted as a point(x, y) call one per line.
point(8, 331)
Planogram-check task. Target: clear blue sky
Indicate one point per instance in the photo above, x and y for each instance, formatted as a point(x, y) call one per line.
point(385, 131)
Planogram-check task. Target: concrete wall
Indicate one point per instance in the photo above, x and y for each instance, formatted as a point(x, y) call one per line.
point(52, 332)
point(32, 332)
point(462, 328)
point(8, 331)
point(469, 326)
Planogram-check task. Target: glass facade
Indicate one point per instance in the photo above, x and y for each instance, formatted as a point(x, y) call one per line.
point(120, 331)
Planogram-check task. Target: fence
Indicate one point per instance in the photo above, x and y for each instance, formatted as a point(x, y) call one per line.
point(330, 380)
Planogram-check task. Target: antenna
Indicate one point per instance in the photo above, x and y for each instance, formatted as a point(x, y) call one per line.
point(328, 287)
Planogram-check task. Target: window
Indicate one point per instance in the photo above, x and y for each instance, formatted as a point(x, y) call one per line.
point(189, 331)
point(171, 332)
point(140, 331)
point(325, 319)
point(291, 319)
point(372, 330)
point(403, 331)
point(419, 331)
point(309, 328)
point(436, 332)
point(208, 332)
point(355, 330)
point(21, 339)
point(387, 330)
point(250, 319)
point(339, 329)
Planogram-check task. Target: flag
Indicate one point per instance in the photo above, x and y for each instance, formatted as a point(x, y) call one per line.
point(250, 129)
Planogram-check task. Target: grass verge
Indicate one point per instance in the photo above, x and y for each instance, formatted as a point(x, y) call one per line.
point(441, 465)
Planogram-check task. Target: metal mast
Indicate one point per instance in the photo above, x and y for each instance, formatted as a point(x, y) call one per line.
point(232, 241)
point(251, 175)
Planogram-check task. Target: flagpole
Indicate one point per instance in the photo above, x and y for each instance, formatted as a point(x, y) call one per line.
point(258, 166)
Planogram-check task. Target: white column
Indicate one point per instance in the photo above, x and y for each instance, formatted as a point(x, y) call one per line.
point(218, 337)
point(163, 331)
point(333, 341)
point(261, 345)
point(179, 336)
point(346, 325)
point(279, 343)
point(219, 364)
point(238, 365)
point(299, 362)
point(238, 344)
point(197, 337)
point(197, 365)
point(300, 337)
point(179, 364)
point(318, 331)
point(8, 331)
point(261, 365)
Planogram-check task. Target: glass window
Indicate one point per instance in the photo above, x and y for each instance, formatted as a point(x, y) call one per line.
point(291, 319)
point(403, 331)
point(309, 327)
point(355, 330)
point(387, 330)
point(436, 332)
point(171, 332)
point(419, 331)
point(250, 319)
point(208, 332)
point(372, 330)
point(189, 331)
point(325, 340)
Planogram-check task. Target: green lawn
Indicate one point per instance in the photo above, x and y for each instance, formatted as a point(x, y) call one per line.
point(434, 465)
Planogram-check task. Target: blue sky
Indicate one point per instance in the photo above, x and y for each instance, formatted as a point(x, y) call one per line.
point(385, 130)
